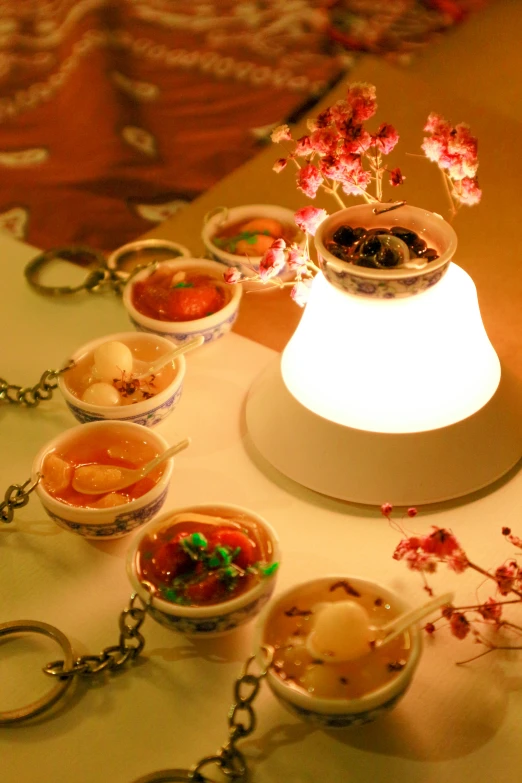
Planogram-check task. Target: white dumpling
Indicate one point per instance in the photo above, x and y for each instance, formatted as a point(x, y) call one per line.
point(101, 393)
point(341, 631)
point(111, 360)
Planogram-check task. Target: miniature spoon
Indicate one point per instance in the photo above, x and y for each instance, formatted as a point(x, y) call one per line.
point(342, 631)
point(168, 357)
point(101, 479)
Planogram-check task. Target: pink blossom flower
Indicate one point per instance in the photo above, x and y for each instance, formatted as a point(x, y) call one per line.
point(506, 576)
point(361, 97)
point(356, 181)
point(421, 561)
point(308, 219)
point(309, 180)
point(515, 540)
point(429, 628)
point(273, 261)
point(232, 275)
point(436, 124)
point(279, 165)
point(355, 138)
point(386, 509)
point(457, 562)
point(324, 141)
point(405, 545)
point(441, 543)
point(303, 146)
point(281, 133)
point(459, 625)
point(295, 259)
point(340, 112)
point(412, 512)
point(396, 177)
point(386, 138)
point(300, 292)
point(468, 191)
point(491, 610)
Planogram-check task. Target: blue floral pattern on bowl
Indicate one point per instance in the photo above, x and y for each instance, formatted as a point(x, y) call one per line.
point(214, 333)
point(338, 720)
point(340, 276)
point(213, 626)
point(148, 419)
point(123, 524)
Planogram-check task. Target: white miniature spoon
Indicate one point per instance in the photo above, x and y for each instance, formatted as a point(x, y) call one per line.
point(101, 479)
point(156, 366)
point(342, 631)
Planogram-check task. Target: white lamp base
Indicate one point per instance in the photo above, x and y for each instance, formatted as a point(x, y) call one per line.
point(375, 468)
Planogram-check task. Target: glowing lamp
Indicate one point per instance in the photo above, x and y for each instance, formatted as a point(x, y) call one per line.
point(389, 389)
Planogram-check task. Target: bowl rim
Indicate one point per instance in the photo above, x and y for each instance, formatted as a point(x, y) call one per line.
point(212, 610)
point(361, 214)
point(170, 327)
point(211, 222)
point(94, 516)
point(323, 705)
point(136, 409)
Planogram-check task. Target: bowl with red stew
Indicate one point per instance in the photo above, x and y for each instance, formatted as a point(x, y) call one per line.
point(326, 688)
point(206, 569)
point(106, 514)
point(182, 298)
point(239, 236)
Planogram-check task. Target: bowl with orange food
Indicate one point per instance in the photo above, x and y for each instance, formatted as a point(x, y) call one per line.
point(205, 569)
point(101, 447)
point(239, 236)
point(110, 378)
point(326, 664)
point(182, 299)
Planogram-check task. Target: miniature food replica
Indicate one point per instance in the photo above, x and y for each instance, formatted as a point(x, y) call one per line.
point(107, 375)
point(111, 448)
point(381, 248)
point(350, 666)
point(252, 236)
point(201, 559)
point(176, 295)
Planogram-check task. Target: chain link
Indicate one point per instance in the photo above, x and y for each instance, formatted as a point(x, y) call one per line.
point(16, 496)
point(130, 645)
point(241, 723)
point(31, 396)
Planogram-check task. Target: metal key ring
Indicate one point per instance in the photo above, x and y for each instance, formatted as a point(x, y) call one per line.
point(47, 701)
point(82, 256)
point(170, 776)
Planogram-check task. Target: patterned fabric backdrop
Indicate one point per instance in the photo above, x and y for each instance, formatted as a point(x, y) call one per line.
point(115, 113)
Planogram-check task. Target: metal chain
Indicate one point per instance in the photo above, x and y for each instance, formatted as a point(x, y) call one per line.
point(241, 723)
point(130, 645)
point(16, 496)
point(31, 396)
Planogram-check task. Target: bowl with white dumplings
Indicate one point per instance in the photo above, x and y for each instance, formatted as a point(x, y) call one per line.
point(328, 663)
point(113, 378)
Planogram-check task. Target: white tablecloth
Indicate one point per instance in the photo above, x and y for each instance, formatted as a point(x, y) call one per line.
point(455, 724)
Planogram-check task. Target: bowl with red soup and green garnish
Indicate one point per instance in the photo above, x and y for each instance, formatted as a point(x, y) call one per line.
point(97, 511)
point(182, 298)
point(327, 666)
point(206, 569)
point(239, 236)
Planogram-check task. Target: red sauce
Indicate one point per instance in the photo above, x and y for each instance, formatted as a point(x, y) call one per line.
point(175, 295)
point(192, 562)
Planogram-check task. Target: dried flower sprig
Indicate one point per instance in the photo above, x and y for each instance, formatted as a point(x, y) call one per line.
point(424, 553)
point(340, 155)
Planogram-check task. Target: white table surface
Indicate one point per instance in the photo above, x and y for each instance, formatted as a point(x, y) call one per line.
point(169, 710)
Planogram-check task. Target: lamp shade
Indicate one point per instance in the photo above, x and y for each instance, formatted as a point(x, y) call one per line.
point(389, 390)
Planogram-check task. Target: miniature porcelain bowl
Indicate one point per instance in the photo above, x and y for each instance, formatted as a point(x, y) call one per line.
point(223, 218)
point(290, 615)
point(211, 327)
point(216, 619)
point(147, 412)
point(390, 283)
point(115, 521)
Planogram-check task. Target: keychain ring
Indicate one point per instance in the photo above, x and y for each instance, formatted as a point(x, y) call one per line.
point(82, 256)
point(170, 776)
point(47, 701)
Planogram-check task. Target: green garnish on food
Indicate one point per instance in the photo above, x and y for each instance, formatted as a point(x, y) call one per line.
point(230, 243)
